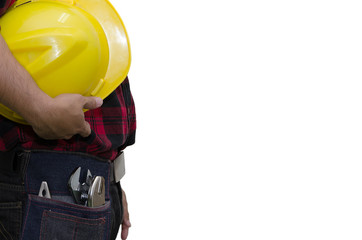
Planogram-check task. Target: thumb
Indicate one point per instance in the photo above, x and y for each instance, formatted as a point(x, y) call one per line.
point(92, 102)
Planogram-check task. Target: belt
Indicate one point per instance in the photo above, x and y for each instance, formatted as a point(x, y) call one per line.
point(118, 168)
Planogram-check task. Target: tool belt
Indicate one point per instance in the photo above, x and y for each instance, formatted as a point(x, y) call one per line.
point(58, 215)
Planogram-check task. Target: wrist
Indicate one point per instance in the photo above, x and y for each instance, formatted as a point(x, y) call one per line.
point(37, 106)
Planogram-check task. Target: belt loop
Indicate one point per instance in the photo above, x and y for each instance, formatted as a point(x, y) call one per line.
point(13, 164)
point(10, 161)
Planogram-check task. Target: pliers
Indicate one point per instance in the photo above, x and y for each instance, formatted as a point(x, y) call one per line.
point(91, 192)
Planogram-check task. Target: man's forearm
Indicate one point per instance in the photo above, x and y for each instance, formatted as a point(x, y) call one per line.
point(60, 117)
point(18, 90)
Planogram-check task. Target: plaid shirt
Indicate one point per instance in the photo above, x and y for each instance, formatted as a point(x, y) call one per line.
point(113, 128)
point(4, 5)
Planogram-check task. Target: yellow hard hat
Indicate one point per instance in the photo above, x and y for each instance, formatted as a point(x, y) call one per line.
point(68, 46)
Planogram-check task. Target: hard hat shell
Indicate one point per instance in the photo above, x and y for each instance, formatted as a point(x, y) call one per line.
point(68, 46)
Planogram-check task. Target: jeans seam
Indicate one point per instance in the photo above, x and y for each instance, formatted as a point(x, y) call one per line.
point(10, 205)
point(6, 186)
point(2, 230)
point(101, 222)
point(42, 225)
point(71, 210)
point(26, 217)
point(75, 219)
point(25, 165)
point(68, 153)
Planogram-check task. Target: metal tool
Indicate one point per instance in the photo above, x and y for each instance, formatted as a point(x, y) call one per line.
point(44, 190)
point(96, 193)
point(90, 193)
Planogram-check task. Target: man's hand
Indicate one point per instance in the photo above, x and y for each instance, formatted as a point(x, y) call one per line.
point(51, 118)
point(63, 117)
point(126, 224)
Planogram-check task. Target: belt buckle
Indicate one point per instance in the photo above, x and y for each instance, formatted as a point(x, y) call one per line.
point(119, 168)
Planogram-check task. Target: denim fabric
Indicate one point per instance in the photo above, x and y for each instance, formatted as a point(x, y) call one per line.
point(117, 208)
point(51, 219)
point(56, 168)
point(10, 220)
point(24, 215)
point(12, 167)
point(11, 195)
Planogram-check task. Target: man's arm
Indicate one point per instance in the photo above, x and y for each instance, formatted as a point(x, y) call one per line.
point(51, 118)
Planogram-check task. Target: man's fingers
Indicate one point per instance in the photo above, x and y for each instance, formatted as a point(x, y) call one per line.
point(92, 102)
point(126, 224)
point(124, 233)
point(86, 130)
point(67, 137)
point(125, 210)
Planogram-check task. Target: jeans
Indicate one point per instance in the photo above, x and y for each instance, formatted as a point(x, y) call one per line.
point(25, 215)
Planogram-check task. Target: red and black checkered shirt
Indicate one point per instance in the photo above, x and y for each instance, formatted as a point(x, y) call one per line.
point(4, 5)
point(113, 128)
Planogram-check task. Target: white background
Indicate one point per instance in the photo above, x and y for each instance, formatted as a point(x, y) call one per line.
point(249, 119)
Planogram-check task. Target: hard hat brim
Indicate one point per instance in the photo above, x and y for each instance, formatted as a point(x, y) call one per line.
point(118, 42)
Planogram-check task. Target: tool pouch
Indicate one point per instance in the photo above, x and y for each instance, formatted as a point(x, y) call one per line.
point(60, 217)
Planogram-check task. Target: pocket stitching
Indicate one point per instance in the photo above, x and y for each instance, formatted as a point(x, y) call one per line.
point(3, 232)
point(71, 212)
point(11, 187)
point(41, 226)
point(54, 204)
point(15, 206)
point(97, 221)
point(101, 213)
point(48, 215)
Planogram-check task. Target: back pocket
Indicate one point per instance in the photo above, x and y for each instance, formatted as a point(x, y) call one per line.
point(64, 226)
point(10, 220)
point(11, 197)
point(49, 219)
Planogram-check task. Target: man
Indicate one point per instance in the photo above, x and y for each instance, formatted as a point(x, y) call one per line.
point(57, 125)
